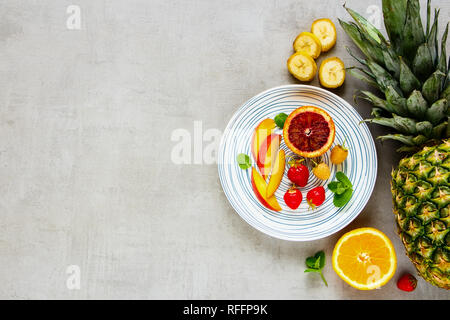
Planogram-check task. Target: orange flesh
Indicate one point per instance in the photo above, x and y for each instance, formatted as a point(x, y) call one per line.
point(359, 253)
point(309, 131)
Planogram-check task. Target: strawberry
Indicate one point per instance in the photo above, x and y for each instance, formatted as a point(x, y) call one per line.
point(407, 282)
point(293, 197)
point(316, 196)
point(298, 173)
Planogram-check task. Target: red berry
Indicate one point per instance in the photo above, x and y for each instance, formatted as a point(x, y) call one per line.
point(407, 282)
point(293, 197)
point(298, 174)
point(316, 196)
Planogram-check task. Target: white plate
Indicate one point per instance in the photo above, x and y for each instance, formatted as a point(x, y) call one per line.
point(302, 224)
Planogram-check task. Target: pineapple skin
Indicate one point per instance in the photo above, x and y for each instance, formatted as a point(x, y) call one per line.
point(421, 199)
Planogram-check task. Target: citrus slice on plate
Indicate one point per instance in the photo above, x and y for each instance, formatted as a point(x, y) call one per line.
point(325, 31)
point(302, 66)
point(308, 43)
point(364, 258)
point(332, 72)
point(309, 131)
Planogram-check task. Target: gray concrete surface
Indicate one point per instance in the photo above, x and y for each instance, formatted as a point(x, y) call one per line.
point(86, 176)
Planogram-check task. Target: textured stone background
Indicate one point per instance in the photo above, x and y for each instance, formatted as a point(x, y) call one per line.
point(86, 177)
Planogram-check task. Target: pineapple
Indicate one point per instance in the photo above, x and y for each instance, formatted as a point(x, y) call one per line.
point(412, 75)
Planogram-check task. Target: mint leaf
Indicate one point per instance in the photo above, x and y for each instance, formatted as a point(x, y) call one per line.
point(321, 258)
point(311, 262)
point(280, 119)
point(337, 187)
point(243, 161)
point(316, 264)
point(323, 278)
point(311, 270)
point(341, 200)
point(343, 178)
point(333, 186)
point(341, 188)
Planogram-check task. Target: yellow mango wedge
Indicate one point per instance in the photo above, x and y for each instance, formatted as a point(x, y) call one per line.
point(277, 173)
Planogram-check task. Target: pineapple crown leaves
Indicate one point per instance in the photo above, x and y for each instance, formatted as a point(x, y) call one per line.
point(408, 69)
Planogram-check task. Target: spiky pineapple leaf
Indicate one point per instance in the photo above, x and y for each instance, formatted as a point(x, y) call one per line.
point(394, 12)
point(401, 124)
point(424, 127)
point(383, 77)
point(437, 111)
point(368, 47)
point(376, 101)
point(432, 86)
point(407, 140)
point(361, 61)
point(391, 61)
point(408, 69)
point(397, 102)
point(440, 131)
point(365, 78)
point(366, 26)
point(408, 81)
point(432, 38)
point(413, 34)
point(423, 62)
point(416, 104)
point(427, 31)
point(442, 65)
point(446, 93)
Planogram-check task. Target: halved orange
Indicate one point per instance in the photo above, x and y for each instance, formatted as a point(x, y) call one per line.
point(309, 131)
point(364, 258)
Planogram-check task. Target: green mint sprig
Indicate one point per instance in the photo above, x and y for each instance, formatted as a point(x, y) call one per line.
point(280, 119)
point(316, 264)
point(243, 161)
point(342, 189)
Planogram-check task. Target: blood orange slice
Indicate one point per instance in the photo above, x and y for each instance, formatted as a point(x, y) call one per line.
point(309, 131)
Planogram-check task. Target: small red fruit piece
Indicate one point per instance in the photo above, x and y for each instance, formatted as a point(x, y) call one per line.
point(407, 283)
point(315, 197)
point(293, 197)
point(298, 174)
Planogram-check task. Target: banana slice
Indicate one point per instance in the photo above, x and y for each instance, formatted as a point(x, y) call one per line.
point(332, 72)
point(309, 43)
point(325, 31)
point(302, 66)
